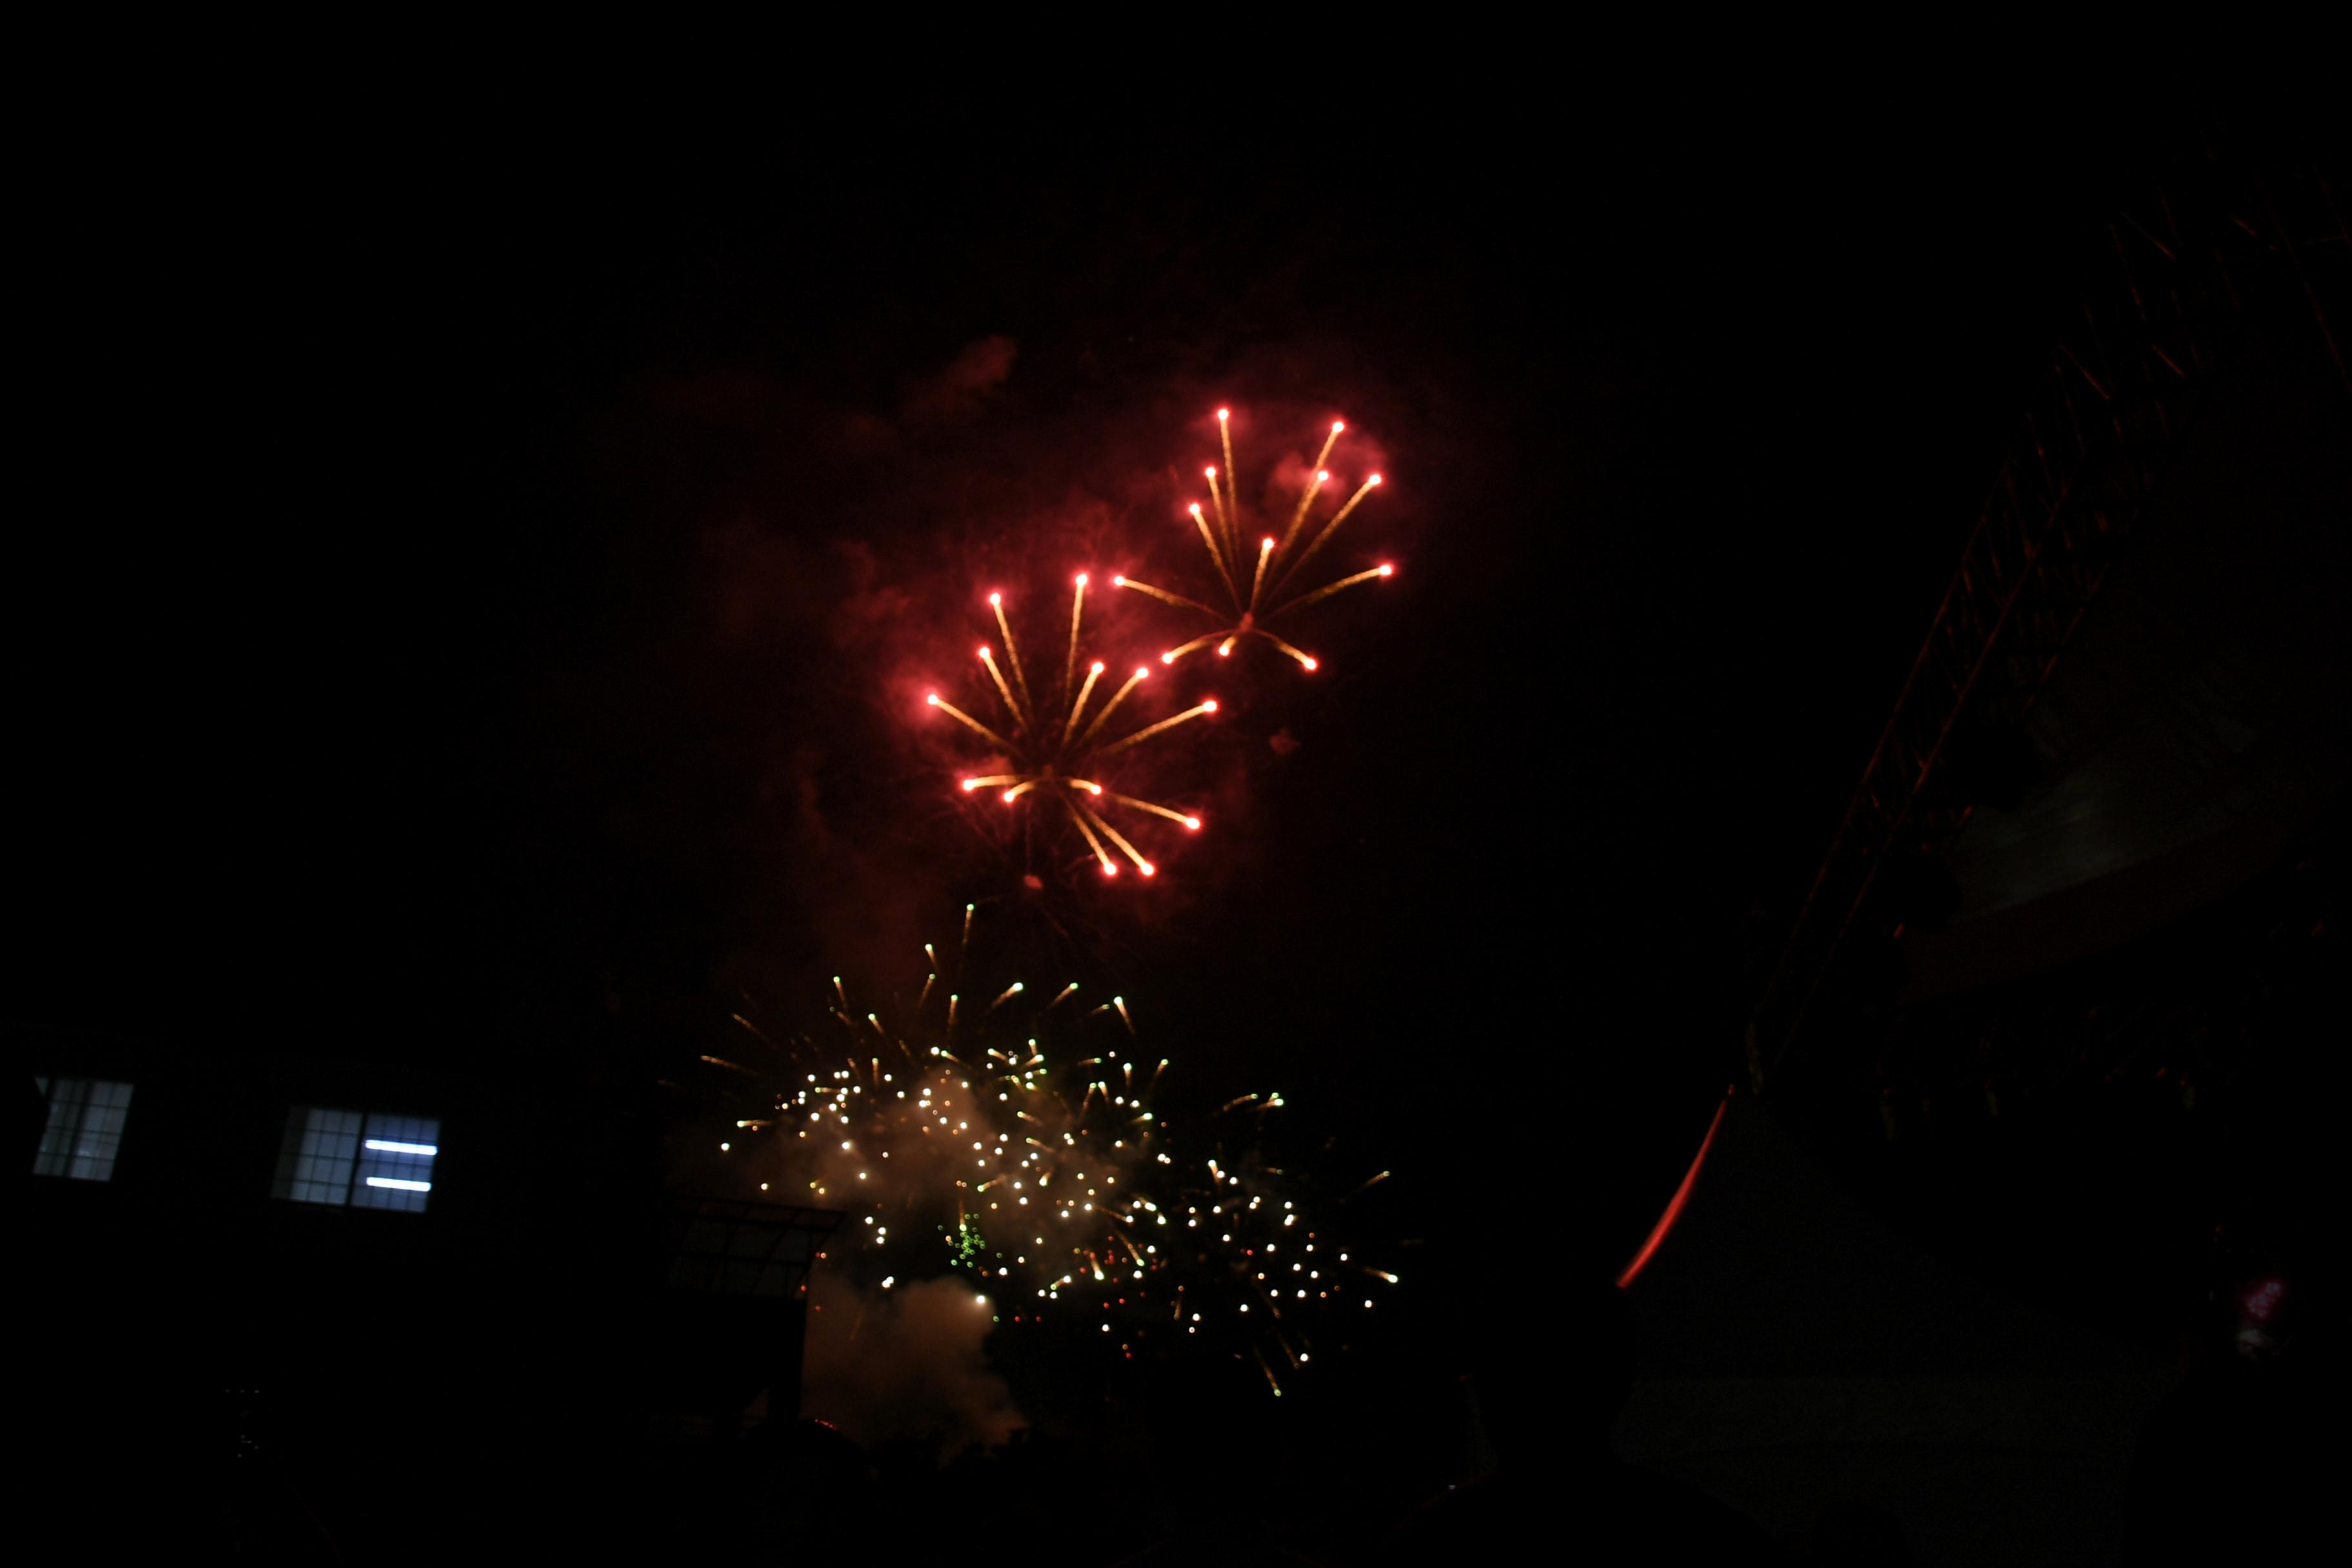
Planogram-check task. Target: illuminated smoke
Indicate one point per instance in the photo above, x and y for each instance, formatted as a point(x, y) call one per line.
point(904, 1363)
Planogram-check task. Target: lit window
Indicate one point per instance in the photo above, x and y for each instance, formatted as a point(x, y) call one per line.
point(84, 1130)
point(368, 1160)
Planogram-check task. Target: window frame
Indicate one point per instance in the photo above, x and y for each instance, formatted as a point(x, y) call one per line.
point(358, 1159)
point(64, 1150)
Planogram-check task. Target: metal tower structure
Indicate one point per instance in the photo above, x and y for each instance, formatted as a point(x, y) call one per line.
point(2187, 277)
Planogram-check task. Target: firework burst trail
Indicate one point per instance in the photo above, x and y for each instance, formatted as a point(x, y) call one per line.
point(1048, 754)
point(1277, 563)
point(1033, 1159)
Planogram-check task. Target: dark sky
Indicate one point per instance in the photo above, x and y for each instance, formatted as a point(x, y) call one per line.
point(488, 577)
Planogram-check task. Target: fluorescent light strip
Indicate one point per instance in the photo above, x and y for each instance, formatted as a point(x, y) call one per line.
point(386, 1146)
point(398, 1185)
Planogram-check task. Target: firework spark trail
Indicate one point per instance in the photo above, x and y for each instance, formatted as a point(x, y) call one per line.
point(1277, 561)
point(1233, 489)
point(1070, 665)
point(1216, 554)
point(1046, 753)
point(1032, 1157)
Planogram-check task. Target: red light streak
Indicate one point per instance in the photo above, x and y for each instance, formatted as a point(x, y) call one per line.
point(1674, 1206)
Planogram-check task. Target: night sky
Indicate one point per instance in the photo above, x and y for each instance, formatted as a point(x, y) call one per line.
point(493, 584)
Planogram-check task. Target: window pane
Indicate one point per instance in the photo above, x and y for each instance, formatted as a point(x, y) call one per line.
point(395, 1163)
point(84, 1130)
point(315, 1163)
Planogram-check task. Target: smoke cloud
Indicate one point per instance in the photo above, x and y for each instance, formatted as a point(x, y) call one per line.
point(957, 388)
point(904, 1363)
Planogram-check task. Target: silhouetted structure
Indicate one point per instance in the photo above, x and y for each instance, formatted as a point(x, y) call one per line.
point(2222, 262)
point(290, 1295)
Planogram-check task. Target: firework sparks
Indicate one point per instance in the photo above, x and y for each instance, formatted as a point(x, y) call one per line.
point(1019, 1142)
point(1048, 750)
point(1260, 592)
